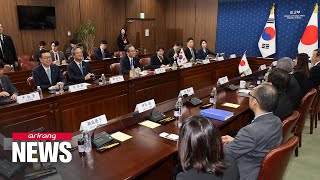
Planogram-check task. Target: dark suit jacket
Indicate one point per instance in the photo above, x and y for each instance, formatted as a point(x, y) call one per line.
point(188, 54)
point(10, 55)
point(304, 82)
point(203, 55)
point(37, 56)
point(41, 79)
point(7, 85)
point(170, 55)
point(284, 107)
point(61, 56)
point(74, 73)
point(253, 142)
point(232, 173)
point(155, 61)
point(315, 75)
point(125, 64)
point(121, 44)
point(98, 54)
point(294, 92)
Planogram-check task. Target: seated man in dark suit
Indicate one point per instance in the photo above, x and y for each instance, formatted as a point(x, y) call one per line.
point(294, 90)
point(315, 70)
point(78, 70)
point(42, 45)
point(47, 75)
point(255, 140)
point(102, 52)
point(158, 60)
point(172, 54)
point(57, 56)
point(73, 43)
point(279, 79)
point(190, 52)
point(130, 61)
point(6, 87)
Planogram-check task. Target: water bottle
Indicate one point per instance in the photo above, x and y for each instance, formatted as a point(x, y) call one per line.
point(213, 96)
point(177, 111)
point(81, 146)
point(87, 141)
point(39, 90)
point(103, 79)
point(174, 66)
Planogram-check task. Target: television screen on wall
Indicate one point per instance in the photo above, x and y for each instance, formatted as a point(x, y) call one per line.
point(36, 17)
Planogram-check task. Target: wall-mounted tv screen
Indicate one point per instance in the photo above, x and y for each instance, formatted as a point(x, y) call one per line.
point(36, 17)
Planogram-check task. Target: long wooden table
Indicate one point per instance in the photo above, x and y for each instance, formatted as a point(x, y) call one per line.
point(65, 112)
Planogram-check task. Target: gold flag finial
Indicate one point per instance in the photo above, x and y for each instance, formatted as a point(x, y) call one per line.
point(272, 9)
point(316, 8)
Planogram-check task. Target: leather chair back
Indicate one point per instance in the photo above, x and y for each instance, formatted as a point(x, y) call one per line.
point(288, 125)
point(274, 164)
point(115, 68)
point(315, 107)
point(91, 56)
point(8, 68)
point(119, 54)
point(28, 65)
point(144, 62)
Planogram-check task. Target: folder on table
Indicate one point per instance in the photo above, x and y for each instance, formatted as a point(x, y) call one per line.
point(218, 114)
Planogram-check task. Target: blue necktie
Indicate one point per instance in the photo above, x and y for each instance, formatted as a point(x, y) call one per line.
point(81, 69)
point(131, 63)
point(49, 75)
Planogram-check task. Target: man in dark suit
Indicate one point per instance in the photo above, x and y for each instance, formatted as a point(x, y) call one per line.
point(73, 43)
point(6, 87)
point(78, 70)
point(172, 54)
point(42, 45)
point(130, 61)
point(158, 60)
point(255, 140)
point(7, 50)
point(190, 52)
point(102, 52)
point(315, 70)
point(47, 75)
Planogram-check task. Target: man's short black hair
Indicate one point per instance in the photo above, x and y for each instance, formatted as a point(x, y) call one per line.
point(1, 64)
point(43, 51)
point(56, 43)
point(279, 79)
point(267, 96)
point(318, 52)
point(178, 43)
point(159, 47)
point(42, 43)
point(73, 41)
point(189, 39)
point(103, 42)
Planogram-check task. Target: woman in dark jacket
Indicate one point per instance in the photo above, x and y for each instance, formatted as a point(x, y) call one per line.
point(122, 39)
point(204, 51)
point(200, 151)
point(302, 73)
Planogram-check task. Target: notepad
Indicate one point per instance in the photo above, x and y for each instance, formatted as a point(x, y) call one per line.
point(120, 136)
point(150, 124)
point(231, 105)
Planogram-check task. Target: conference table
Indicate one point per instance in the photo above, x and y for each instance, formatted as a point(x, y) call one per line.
point(146, 155)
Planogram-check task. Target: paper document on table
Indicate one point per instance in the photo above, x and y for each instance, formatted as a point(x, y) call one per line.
point(120, 136)
point(231, 105)
point(150, 124)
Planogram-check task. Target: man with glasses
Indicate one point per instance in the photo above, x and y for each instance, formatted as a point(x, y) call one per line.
point(255, 140)
point(130, 61)
point(47, 74)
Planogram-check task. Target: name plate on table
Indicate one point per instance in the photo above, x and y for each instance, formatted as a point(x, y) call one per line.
point(223, 80)
point(28, 97)
point(247, 72)
point(91, 124)
point(77, 87)
point(189, 91)
point(233, 56)
point(206, 61)
point(220, 58)
point(274, 63)
point(187, 65)
point(116, 79)
point(145, 106)
point(159, 70)
point(262, 67)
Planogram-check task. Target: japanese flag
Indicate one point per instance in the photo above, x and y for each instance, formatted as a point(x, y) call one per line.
point(243, 65)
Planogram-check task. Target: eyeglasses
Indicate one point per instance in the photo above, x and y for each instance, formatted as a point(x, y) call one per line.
point(253, 97)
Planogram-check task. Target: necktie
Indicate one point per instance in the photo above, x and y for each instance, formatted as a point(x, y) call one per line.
point(49, 75)
point(192, 53)
point(161, 59)
point(1, 52)
point(131, 63)
point(81, 69)
point(103, 55)
point(56, 56)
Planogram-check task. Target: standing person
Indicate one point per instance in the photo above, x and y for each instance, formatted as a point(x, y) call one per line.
point(123, 39)
point(7, 50)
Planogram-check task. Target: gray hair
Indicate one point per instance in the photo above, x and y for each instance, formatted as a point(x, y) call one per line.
point(286, 64)
point(74, 49)
point(267, 95)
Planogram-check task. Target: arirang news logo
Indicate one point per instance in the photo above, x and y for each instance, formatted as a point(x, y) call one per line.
point(41, 147)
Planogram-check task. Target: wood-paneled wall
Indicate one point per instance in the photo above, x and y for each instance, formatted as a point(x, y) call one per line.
point(168, 20)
